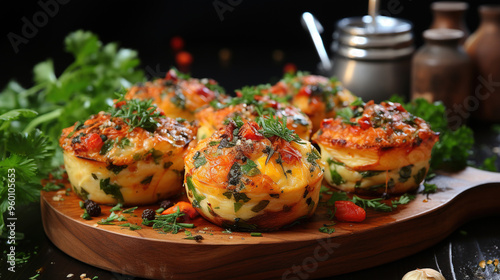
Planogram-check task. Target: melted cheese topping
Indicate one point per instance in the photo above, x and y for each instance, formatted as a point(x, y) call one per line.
point(317, 96)
point(177, 97)
point(231, 184)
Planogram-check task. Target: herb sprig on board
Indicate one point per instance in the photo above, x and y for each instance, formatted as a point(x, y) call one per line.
point(168, 223)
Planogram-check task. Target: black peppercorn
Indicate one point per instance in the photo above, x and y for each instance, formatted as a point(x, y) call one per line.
point(93, 209)
point(148, 214)
point(165, 204)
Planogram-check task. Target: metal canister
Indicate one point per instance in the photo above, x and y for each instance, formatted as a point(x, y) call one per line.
point(373, 58)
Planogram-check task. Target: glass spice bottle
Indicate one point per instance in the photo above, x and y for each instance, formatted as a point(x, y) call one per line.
point(450, 15)
point(442, 71)
point(483, 46)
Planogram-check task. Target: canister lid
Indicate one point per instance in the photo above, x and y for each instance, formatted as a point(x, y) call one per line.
point(363, 26)
point(360, 38)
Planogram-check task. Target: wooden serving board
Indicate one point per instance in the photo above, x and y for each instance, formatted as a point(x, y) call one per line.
point(299, 252)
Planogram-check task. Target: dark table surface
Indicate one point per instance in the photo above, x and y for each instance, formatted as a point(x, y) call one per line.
point(457, 256)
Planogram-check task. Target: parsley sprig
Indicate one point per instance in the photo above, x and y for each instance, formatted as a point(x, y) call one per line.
point(137, 113)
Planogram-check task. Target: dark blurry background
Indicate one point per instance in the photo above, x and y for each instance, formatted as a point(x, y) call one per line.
point(251, 30)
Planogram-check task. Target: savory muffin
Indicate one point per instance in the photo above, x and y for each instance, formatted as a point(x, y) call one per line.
point(249, 103)
point(250, 176)
point(131, 154)
point(317, 96)
point(375, 148)
point(178, 95)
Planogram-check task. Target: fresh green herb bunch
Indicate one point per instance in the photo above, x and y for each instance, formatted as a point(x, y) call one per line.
point(31, 119)
point(136, 112)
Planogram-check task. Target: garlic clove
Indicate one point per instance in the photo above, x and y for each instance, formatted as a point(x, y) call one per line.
point(423, 274)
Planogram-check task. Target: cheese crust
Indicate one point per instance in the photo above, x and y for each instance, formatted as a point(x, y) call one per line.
point(239, 179)
point(178, 97)
point(108, 162)
point(317, 96)
point(381, 149)
point(211, 120)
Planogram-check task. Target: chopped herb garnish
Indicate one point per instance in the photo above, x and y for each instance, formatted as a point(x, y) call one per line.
point(115, 168)
point(117, 207)
point(147, 180)
point(369, 173)
point(109, 220)
point(131, 226)
point(419, 177)
point(237, 206)
point(130, 210)
point(199, 159)
point(404, 199)
point(260, 206)
point(167, 165)
point(112, 189)
point(241, 196)
point(107, 146)
point(197, 197)
point(405, 173)
point(213, 143)
point(86, 216)
point(331, 161)
point(256, 234)
point(234, 175)
point(136, 113)
point(50, 187)
point(250, 168)
point(179, 99)
point(371, 203)
point(124, 142)
point(429, 188)
point(274, 126)
point(327, 228)
point(336, 177)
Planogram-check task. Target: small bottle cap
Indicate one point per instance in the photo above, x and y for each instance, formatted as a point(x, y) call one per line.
point(449, 6)
point(443, 34)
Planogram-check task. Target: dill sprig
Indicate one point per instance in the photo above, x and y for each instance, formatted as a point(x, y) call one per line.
point(274, 126)
point(168, 223)
point(137, 113)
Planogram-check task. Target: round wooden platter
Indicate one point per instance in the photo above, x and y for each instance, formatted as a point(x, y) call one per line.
point(295, 253)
